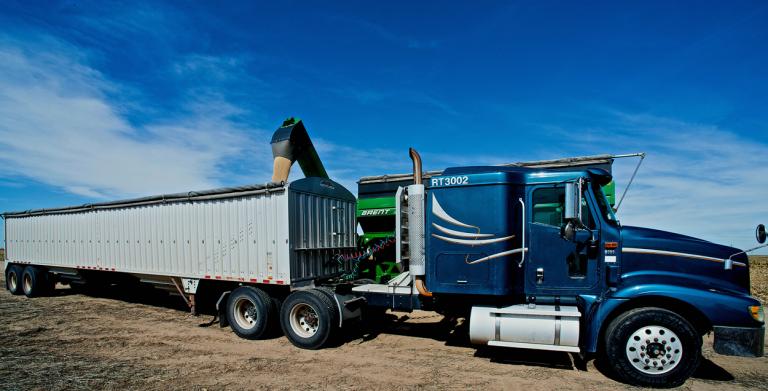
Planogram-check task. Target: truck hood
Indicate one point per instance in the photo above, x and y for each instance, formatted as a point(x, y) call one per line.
point(654, 255)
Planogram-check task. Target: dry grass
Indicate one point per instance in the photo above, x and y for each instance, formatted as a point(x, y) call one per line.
point(758, 273)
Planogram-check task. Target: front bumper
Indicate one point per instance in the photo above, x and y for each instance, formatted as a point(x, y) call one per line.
point(740, 341)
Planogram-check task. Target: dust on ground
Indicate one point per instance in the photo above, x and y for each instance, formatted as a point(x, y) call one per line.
point(134, 340)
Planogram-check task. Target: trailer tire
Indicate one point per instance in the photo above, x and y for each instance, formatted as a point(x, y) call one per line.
point(13, 279)
point(35, 282)
point(309, 319)
point(652, 347)
point(250, 312)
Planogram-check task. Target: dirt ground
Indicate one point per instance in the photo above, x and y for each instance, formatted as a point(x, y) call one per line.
point(130, 340)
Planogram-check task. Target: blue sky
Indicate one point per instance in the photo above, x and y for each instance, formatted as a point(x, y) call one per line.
point(104, 100)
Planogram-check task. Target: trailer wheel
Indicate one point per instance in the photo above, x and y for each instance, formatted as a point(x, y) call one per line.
point(309, 319)
point(34, 282)
point(652, 347)
point(13, 279)
point(249, 311)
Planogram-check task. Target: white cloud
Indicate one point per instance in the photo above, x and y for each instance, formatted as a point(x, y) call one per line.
point(700, 180)
point(57, 126)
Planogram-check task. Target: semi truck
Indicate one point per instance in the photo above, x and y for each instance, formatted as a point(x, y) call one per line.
point(530, 258)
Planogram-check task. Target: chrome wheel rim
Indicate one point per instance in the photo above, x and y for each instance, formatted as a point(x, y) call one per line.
point(304, 320)
point(245, 313)
point(12, 281)
point(654, 350)
point(27, 283)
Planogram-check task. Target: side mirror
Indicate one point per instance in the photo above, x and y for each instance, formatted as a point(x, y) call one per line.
point(568, 231)
point(572, 201)
point(760, 234)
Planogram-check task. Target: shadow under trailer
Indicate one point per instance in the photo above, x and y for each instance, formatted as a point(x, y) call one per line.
point(531, 256)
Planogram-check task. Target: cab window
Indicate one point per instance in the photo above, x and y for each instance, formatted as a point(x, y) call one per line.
point(549, 207)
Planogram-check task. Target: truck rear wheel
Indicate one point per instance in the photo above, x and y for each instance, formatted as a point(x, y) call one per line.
point(13, 279)
point(35, 282)
point(652, 347)
point(309, 319)
point(250, 312)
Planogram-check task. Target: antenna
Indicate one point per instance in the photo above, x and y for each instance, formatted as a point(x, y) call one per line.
point(631, 179)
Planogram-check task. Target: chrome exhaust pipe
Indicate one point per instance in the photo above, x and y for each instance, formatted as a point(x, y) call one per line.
point(416, 228)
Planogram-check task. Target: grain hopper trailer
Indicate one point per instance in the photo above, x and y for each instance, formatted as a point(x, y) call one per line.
point(529, 258)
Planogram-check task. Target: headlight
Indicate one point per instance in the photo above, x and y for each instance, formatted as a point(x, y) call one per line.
point(757, 313)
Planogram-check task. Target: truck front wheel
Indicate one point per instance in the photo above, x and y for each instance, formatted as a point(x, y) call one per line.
point(652, 347)
point(308, 319)
point(250, 312)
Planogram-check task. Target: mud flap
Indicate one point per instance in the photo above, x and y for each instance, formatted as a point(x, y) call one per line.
point(740, 341)
point(221, 309)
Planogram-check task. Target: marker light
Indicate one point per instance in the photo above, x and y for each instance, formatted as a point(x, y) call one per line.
point(757, 313)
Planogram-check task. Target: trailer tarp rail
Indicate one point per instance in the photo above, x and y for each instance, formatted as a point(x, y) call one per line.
point(224, 192)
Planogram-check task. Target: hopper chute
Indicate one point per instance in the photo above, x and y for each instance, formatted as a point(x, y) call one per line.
point(291, 143)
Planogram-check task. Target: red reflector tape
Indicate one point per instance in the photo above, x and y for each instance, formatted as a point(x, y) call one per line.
point(280, 282)
point(265, 281)
point(254, 280)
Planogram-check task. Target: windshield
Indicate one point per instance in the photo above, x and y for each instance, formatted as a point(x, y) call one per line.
point(602, 202)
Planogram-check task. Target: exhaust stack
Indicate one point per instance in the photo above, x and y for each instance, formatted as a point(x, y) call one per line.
point(416, 230)
point(291, 143)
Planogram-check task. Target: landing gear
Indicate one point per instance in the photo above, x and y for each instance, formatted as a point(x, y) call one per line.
point(652, 347)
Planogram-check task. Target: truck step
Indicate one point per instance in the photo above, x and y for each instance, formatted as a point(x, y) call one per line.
point(521, 345)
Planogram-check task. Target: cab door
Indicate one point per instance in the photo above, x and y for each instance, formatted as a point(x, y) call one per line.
point(556, 266)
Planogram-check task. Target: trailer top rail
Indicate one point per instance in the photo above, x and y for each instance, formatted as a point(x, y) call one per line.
point(224, 192)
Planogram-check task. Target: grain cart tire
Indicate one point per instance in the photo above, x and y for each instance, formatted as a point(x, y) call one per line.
point(34, 282)
point(652, 347)
point(250, 312)
point(309, 319)
point(13, 279)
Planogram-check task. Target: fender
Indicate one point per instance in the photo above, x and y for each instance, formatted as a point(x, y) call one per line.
point(720, 308)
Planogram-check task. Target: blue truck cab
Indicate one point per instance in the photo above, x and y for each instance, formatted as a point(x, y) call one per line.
point(540, 261)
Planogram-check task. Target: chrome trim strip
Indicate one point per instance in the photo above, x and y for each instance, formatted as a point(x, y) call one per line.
point(473, 242)
point(460, 234)
point(499, 255)
point(676, 254)
point(438, 211)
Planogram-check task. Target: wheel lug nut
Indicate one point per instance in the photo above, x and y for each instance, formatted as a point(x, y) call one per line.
point(655, 340)
point(647, 361)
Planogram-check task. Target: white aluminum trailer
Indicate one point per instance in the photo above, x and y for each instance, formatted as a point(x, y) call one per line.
point(249, 240)
point(266, 234)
